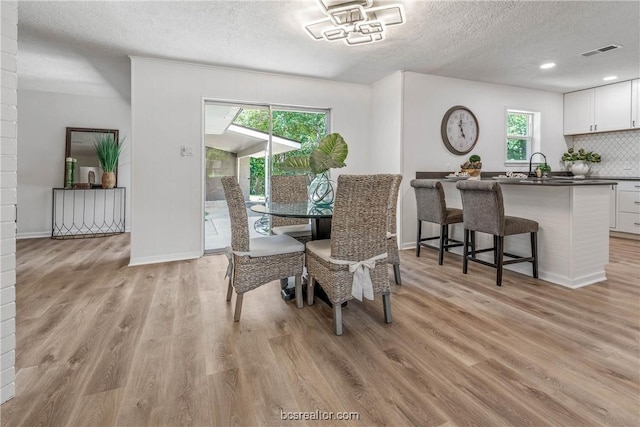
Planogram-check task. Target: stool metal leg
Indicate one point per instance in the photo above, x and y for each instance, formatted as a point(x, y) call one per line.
point(500, 260)
point(534, 253)
point(465, 251)
point(443, 238)
point(418, 238)
point(473, 243)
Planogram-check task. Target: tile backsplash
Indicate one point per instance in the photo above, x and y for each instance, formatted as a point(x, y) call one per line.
point(620, 152)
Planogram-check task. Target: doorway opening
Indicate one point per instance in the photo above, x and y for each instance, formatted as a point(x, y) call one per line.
point(248, 142)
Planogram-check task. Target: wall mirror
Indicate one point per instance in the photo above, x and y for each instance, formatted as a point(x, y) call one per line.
point(80, 145)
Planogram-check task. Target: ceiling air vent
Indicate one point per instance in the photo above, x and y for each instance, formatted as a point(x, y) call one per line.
point(602, 49)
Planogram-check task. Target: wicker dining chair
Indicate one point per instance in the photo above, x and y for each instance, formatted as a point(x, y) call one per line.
point(290, 189)
point(357, 248)
point(393, 256)
point(258, 260)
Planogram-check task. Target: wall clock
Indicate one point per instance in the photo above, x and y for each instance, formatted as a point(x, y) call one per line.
point(459, 130)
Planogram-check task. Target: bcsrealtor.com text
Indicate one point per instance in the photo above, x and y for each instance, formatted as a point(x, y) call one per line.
point(319, 415)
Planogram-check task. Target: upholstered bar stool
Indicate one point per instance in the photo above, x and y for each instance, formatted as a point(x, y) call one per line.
point(484, 212)
point(433, 208)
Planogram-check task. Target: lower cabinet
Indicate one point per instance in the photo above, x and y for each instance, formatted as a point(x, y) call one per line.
point(628, 204)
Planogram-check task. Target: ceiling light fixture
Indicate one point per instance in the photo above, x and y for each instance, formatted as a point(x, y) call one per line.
point(608, 78)
point(547, 65)
point(355, 22)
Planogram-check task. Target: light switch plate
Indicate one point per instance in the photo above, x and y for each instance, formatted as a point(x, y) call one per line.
point(186, 150)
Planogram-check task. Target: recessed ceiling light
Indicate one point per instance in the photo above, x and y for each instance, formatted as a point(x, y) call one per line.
point(547, 65)
point(606, 79)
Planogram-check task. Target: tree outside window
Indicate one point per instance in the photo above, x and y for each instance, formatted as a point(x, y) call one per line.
point(519, 136)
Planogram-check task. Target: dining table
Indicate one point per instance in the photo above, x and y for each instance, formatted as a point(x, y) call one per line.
point(320, 217)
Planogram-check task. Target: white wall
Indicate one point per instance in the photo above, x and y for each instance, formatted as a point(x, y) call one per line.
point(425, 100)
point(386, 126)
point(8, 180)
point(167, 99)
point(44, 117)
point(386, 130)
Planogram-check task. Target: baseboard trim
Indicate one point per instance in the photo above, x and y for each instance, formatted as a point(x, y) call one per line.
point(163, 258)
point(33, 235)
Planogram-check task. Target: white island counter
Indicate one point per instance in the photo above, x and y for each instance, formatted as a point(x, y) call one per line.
point(573, 240)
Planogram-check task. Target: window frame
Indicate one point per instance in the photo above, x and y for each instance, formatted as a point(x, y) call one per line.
point(532, 139)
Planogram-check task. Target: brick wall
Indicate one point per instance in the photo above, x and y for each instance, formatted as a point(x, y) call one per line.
point(8, 180)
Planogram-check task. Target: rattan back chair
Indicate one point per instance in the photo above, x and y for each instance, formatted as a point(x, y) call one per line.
point(483, 207)
point(357, 248)
point(393, 256)
point(259, 260)
point(290, 189)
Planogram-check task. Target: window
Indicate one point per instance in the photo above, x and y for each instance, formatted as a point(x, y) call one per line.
point(522, 135)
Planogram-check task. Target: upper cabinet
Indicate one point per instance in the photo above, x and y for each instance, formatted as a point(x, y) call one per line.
point(635, 103)
point(601, 109)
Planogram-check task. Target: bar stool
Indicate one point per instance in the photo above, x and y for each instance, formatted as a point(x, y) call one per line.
point(484, 212)
point(432, 208)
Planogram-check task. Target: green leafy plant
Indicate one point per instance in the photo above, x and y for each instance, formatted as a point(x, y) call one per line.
point(545, 168)
point(589, 156)
point(331, 152)
point(108, 152)
point(474, 162)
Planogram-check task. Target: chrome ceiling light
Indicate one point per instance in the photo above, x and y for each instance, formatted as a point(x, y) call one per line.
point(355, 22)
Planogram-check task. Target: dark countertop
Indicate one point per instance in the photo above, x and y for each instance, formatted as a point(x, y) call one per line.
point(616, 178)
point(556, 180)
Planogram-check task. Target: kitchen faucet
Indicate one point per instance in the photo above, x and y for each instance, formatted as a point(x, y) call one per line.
point(531, 158)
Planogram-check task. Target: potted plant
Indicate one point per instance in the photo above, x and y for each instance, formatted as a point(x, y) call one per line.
point(108, 151)
point(331, 152)
point(544, 169)
point(472, 166)
point(580, 161)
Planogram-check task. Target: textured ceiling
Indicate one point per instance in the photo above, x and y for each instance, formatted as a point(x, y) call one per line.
point(83, 47)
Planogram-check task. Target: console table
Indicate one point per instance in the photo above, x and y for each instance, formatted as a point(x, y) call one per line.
point(80, 213)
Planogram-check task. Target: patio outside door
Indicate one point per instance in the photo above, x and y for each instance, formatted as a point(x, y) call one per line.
point(248, 141)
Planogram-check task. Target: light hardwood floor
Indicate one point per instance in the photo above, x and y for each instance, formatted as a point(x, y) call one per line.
point(100, 343)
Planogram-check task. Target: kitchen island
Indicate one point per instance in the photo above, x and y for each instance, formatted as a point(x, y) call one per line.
point(573, 240)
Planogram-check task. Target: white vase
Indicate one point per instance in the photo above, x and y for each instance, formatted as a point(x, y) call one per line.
point(579, 168)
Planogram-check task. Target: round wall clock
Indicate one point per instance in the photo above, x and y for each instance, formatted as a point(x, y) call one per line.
point(459, 130)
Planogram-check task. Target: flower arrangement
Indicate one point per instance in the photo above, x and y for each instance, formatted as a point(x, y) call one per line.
point(571, 156)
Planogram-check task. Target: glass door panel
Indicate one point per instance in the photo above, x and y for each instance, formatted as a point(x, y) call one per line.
point(249, 141)
point(231, 149)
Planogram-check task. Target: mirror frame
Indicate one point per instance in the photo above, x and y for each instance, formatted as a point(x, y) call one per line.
point(70, 130)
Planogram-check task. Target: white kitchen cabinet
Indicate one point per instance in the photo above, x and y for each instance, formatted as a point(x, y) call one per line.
point(628, 207)
point(578, 112)
point(635, 103)
point(601, 109)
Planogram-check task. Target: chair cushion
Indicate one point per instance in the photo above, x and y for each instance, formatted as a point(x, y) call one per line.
point(321, 248)
point(272, 245)
point(453, 216)
point(516, 225)
point(293, 230)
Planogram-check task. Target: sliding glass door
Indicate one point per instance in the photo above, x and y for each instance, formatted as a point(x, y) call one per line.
point(249, 141)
